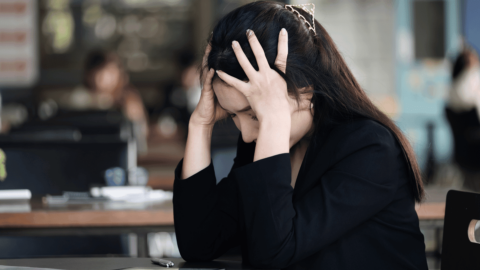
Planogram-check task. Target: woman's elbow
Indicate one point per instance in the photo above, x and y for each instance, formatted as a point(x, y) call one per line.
point(195, 255)
point(196, 251)
point(269, 261)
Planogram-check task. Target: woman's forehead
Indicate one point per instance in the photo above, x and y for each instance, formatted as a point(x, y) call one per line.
point(229, 97)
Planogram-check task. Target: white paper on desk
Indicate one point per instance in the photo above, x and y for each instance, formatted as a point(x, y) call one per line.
point(6, 267)
point(15, 194)
point(151, 196)
point(118, 192)
point(132, 194)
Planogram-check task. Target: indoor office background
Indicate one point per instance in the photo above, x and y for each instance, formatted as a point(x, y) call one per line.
point(58, 136)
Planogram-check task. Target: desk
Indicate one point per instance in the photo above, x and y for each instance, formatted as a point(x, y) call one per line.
point(431, 211)
point(98, 218)
point(119, 218)
point(113, 263)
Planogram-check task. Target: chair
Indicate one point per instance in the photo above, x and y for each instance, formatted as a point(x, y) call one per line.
point(459, 250)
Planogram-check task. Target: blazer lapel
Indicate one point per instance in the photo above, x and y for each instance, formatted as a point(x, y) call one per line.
point(317, 161)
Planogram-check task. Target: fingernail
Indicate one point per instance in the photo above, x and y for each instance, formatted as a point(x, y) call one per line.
point(234, 43)
point(284, 32)
point(249, 33)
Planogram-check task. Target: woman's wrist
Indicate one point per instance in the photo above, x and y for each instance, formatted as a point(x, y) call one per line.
point(200, 133)
point(197, 151)
point(273, 137)
point(195, 126)
point(277, 121)
point(200, 122)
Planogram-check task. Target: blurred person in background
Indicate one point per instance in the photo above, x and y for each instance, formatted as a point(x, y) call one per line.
point(181, 96)
point(463, 114)
point(108, 88)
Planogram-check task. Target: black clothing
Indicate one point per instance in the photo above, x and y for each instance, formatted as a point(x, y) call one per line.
point(352, 206)
point(466, 136)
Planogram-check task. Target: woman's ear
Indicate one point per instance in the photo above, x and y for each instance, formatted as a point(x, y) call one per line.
point(306, 95)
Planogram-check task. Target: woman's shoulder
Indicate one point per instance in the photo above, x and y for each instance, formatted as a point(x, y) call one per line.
point(360, 133)
point(363, 128)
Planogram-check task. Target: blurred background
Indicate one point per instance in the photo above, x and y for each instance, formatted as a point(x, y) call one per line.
point(98, 93)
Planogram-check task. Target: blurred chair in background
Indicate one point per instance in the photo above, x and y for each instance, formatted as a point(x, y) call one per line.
point(68, 152)
point(463, 114)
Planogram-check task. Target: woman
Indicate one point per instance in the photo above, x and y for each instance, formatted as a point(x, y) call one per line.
point(322, 178)
point(463, 113)
point(108, 87)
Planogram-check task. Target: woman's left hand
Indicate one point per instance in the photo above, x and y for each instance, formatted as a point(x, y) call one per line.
point(266, 90)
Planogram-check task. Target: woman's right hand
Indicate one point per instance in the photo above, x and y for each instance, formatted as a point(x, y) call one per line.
point(207, 111)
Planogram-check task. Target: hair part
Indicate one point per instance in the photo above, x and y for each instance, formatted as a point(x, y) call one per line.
point(313, 62)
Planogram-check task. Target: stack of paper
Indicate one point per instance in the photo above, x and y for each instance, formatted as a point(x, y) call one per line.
point(131, 194)
point(15, 194)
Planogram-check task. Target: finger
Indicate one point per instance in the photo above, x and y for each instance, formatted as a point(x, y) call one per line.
point(257, 51)
point(205, 63)
point(282, 51)
point(207, 84)
point(205, 56)
point(232, 81)
point(243, 60)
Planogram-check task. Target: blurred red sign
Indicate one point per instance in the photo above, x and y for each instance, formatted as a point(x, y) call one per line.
point(18, 42)
point(13, 37)
point(13, 8)
point(13, 65)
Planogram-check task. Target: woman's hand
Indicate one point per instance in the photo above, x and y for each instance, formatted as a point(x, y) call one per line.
point(266, 91)
point(206, 114)
point(197, 150)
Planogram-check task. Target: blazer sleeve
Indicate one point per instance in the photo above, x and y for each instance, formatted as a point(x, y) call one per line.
point(281, 232)
point(206, 214)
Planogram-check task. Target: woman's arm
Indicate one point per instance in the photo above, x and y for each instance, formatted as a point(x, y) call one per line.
point(206, 214)
point(206, 217)
point(197, 150)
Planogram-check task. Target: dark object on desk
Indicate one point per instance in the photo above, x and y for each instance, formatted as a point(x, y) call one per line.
point(458, 251)
point(73, 198)
point(70, 152)
point(115, 263)
point(163, 262)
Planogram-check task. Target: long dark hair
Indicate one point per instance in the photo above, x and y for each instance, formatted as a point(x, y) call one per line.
point(313, 62)
point(462, 62)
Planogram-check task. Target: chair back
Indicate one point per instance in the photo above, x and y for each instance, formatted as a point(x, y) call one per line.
point(460, 247)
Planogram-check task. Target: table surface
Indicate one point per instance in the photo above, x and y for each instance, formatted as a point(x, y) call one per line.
point(35, 214)
point(433, 208)
point(113, 263)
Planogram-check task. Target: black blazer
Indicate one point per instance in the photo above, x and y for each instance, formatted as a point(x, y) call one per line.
point(352, 206)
